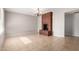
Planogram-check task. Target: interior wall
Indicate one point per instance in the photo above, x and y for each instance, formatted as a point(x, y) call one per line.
point(59, 20)
point(19, 24)
point(58, 23)
point(2, 35)
point(76, 24)
point(72, 24)
point(69, 24)
point(39, 23)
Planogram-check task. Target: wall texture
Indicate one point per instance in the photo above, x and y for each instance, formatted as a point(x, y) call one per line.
point(19, 24)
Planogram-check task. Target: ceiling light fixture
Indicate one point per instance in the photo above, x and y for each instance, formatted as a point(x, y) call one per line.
point(38, 11)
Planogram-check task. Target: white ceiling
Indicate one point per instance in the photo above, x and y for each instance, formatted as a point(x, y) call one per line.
point(27, 11)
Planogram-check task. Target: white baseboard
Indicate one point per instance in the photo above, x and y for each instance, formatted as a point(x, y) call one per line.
point(20, 33)
point(76, 35)
point(59, 35)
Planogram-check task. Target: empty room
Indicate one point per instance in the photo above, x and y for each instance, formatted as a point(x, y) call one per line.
point(39, 29)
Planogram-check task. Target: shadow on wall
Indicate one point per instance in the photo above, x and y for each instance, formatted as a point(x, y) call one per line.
point(69, 25)
point(72, 24)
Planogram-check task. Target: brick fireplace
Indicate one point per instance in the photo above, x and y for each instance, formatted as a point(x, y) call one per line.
point(46, 24)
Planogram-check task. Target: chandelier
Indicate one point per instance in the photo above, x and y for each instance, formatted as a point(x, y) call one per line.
point(38, 11)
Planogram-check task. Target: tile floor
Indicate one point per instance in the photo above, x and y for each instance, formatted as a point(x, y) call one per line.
point(41, 43)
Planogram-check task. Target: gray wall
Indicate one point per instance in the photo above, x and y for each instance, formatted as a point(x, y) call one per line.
point(76, 24)
point(69, 24)
point(72, 24)
point(19, 24)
